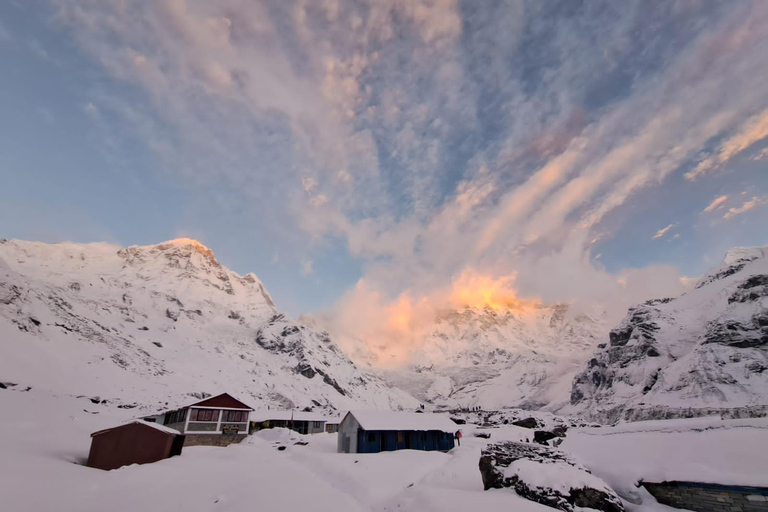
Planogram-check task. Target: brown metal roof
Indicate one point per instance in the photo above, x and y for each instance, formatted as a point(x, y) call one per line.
point(155, 426)
point(225, 401)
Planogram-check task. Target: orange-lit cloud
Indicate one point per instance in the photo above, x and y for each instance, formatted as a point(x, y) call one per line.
point(394, 330)
point(475, 290)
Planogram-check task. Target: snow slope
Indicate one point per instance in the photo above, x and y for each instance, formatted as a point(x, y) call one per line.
point(703, 353)
point(152, 325)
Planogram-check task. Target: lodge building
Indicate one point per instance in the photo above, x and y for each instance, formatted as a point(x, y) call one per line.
point(220, 420)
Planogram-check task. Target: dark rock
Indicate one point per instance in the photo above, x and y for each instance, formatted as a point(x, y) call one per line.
point(306, 370)
point(527, 423)
point(737, 334)
point(735, 267)
point(173, 315)
point(499, 471)
point(281, 448)
point(484, 435)
point(652, 352)
point(458, 421)
point(144, 328)
point(157, 344)
point(560, 430)
point(542, 436)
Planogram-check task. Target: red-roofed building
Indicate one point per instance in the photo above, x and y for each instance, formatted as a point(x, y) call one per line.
point(218, 421)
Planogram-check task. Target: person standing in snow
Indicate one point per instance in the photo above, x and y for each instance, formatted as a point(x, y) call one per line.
point(458, 437)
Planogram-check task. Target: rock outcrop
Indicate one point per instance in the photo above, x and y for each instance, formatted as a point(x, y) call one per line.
point(546, 476)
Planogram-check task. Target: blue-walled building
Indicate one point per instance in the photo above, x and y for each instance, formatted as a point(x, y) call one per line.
point(374, 432)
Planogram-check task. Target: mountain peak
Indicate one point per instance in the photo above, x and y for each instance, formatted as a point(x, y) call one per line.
point(186, 241)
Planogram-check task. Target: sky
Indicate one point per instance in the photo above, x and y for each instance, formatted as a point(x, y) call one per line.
point(358, 153)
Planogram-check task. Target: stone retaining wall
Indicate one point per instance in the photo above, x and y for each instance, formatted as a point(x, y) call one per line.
point(212, 439)
point(709, 497)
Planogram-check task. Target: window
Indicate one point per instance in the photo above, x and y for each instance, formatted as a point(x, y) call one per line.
point(234, 416)
point(400, 437)
point(317, 424)
point(205, 415)
point(178, 416)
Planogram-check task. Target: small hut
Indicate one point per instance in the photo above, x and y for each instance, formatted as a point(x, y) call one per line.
point(373, 432)
point(137, 442)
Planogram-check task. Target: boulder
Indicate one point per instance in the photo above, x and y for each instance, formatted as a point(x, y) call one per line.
point(542, 436)
point(527, 423)
point(546, 476)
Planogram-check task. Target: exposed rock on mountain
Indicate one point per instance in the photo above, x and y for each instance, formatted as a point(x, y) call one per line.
point(501, 358)
point(703, 353)
point(153, 324)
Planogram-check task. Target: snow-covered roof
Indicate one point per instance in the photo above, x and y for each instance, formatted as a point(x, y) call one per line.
point(156, 426)
point(286, 415)
point(388, 420)
point(705, 450)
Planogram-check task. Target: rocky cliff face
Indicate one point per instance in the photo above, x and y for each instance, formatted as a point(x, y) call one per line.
point(154, 324)
point(705, 352)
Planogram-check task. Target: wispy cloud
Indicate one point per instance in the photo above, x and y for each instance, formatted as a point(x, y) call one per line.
point(761, 155)
point(746, 206)
point(716, 204)
point(754, 130)
point(434, 138)
point(663, 231)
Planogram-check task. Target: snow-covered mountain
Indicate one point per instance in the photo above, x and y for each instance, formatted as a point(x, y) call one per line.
point(705, 352)
point(496, 358)
point(154, 324)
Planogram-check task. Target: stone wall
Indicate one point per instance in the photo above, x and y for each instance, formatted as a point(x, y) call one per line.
point(709, 497)
point(212, 439)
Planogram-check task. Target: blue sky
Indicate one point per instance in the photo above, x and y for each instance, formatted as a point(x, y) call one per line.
point(335, 146)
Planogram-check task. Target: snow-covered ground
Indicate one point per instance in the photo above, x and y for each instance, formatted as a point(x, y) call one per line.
point(44, 440)
point(705, 450)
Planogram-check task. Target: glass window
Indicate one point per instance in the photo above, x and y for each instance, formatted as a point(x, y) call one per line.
point(234, 416)
point(205, 415)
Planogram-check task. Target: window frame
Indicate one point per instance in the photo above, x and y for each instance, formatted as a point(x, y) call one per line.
point(213, 414)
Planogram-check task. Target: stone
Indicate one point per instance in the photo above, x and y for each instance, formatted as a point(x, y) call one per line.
point(520, 466)
point(527, 423)
point(542, 436)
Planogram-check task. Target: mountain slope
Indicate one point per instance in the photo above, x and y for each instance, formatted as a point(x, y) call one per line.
point(154, 324)
point(705, 352)
point(495, 358)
